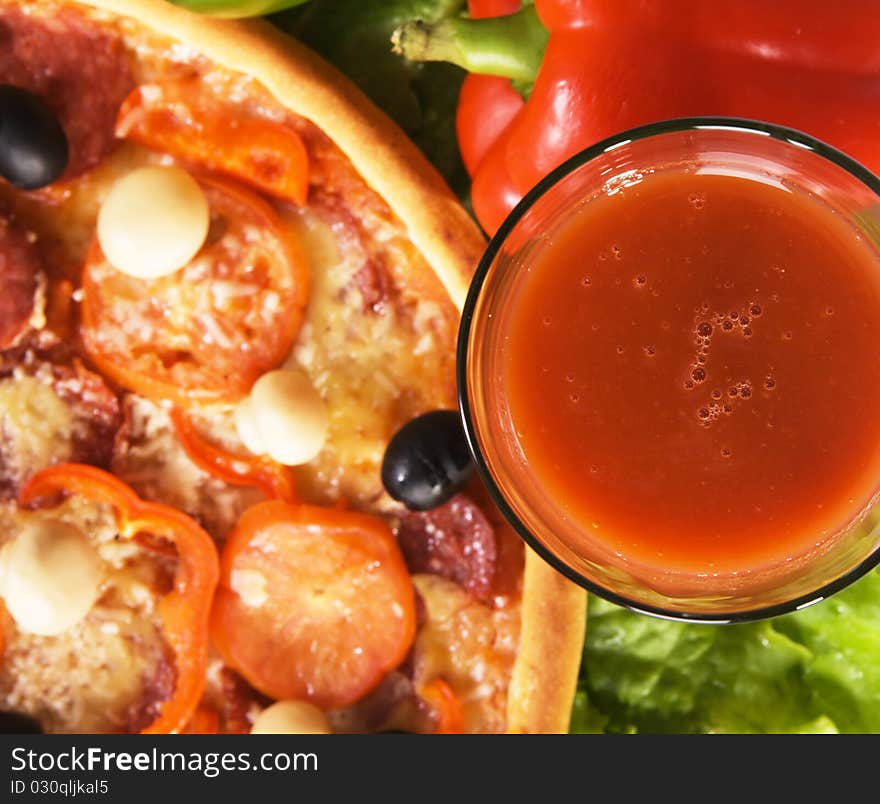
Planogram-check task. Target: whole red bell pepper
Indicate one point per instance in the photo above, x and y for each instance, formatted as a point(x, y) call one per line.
point(610, 65)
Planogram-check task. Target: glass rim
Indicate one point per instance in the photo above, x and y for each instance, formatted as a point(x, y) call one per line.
point(785, 134)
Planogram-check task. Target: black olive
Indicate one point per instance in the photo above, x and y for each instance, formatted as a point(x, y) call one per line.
point(33, 148)
point(14, 723)
point(427, 461)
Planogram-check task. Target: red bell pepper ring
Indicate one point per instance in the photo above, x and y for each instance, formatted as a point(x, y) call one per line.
point(186, 608)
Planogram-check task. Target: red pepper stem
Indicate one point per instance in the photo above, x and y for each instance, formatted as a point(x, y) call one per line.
point(510, 46)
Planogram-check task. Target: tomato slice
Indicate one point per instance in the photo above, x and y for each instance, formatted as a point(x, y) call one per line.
point(313, 603)
point(174, 118)
point(206, 332)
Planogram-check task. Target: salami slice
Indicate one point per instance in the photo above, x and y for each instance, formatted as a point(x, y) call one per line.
point(19, 278)
point(95, 411)
point(79, 69)
point(454, 541)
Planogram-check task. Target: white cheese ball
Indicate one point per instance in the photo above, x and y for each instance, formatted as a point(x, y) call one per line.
point(284, 417)
point(291, 717)
point(50, 576)
point(153, 222)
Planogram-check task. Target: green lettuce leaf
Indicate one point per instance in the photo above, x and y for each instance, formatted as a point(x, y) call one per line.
point(817, 670)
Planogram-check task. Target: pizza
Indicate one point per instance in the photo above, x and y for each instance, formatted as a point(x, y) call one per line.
point(229, 283)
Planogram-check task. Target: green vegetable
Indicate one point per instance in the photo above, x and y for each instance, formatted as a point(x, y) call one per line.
point(510, 46)
point(816, 670)
point(355, 35)
point(236, 8)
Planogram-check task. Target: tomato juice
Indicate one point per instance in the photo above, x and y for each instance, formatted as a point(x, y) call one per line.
point(692, 374)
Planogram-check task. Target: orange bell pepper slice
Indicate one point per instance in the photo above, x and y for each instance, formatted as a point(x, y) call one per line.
point(446, 706)
point(272, 478)
point(186, 608)
point(171, 117)
point(203, 721)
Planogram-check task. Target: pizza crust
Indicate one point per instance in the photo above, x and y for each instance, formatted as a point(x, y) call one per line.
point(544, 679)
point(553, 609)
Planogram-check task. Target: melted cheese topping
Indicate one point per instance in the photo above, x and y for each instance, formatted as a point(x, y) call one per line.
point(36, 425)
point(375, 370)
point(470, 646)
